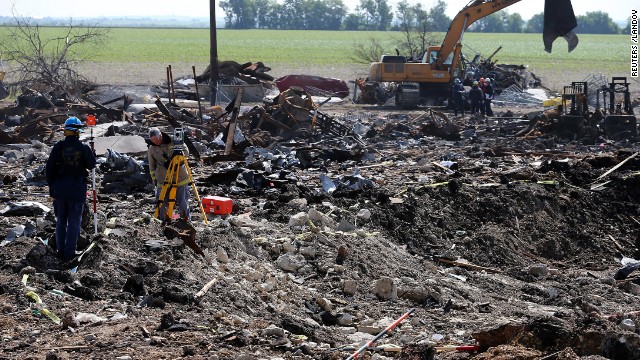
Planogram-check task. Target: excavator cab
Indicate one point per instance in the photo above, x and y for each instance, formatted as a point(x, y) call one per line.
point(433, 53)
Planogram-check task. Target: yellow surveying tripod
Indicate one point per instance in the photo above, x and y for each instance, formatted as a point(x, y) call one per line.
point(170, 185)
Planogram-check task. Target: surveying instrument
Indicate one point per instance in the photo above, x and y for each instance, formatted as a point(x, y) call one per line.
point(91, 123)
point(170, 185)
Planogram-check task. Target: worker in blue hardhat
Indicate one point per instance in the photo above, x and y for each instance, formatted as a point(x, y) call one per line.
point(457, 90)
point(67, 171)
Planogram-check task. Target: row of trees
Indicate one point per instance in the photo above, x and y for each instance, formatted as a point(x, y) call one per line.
point(379, 15)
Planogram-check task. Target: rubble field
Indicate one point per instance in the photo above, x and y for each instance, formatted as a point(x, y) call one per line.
point(503, 246)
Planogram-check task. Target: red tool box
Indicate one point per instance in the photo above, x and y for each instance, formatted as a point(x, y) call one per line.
point(217, 205)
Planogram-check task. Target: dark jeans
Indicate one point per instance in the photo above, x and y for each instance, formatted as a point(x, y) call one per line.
point(68, 219)
point(458, 105)
point(477, 107)
point(487, 107)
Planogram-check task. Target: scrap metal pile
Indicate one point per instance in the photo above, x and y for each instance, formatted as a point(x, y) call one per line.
point(503, 75)
point(35, 116)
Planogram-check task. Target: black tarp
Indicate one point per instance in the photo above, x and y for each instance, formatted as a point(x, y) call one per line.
point(559, 20)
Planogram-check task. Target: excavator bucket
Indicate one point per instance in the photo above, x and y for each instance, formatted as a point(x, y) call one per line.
point(559, 20)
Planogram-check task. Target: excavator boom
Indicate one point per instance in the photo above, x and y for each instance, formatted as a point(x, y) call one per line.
point(471, 13)
point(559, 20)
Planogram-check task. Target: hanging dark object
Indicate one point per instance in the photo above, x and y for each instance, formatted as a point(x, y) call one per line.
point(559, 20)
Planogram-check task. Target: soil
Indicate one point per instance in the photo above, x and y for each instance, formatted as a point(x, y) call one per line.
point(503, 242)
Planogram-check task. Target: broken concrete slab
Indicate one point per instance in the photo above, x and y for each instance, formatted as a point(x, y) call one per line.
point(24, 208)
point(128, 144)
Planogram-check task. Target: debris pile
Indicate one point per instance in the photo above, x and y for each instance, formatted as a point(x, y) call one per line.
point(503, 75)
point(36, 116)
point(293, 113)
point(231, 72)
point(372, 92)
point(493, 243)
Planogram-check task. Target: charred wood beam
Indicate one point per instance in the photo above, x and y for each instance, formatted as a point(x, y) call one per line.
point(93, 102)
point(233, 122)
point(126, 101)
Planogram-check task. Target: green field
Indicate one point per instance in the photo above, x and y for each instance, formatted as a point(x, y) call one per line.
point(596, 53)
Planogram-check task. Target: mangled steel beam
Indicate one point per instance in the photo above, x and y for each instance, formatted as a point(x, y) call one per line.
point(371, 92)
point(186, 232)
point(437, 124)
point(294, 114)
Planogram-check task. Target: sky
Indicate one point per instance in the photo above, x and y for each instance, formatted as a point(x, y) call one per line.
point(619, 10)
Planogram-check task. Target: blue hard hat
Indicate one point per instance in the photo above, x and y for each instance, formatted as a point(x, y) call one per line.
point(73, 124)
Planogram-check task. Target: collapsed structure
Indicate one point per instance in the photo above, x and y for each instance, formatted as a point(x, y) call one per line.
point(503, 234)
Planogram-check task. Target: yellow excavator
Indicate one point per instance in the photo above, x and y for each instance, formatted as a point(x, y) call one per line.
point(429, 81)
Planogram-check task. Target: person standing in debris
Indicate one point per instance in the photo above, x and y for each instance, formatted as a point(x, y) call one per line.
point(488, 95)
point(456, 94)
point(476, 98)
point(159, 155)
point(468, 79)
point(67, 171)
point(483, 86)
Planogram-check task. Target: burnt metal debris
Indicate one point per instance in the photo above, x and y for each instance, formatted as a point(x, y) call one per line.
point(296, 111)
point(232, 72)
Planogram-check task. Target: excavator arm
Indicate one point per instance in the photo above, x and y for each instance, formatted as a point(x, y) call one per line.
point(559, 20)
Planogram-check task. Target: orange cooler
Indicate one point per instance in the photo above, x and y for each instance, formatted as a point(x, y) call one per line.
point(217, 205)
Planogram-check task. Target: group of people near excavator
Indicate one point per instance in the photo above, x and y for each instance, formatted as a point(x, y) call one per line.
point(480, 96)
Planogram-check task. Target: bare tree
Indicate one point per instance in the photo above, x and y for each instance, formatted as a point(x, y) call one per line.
point(366, 53)
point(48, 63)
point(414, 25)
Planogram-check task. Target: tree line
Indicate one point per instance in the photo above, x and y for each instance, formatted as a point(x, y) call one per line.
point(379, 15)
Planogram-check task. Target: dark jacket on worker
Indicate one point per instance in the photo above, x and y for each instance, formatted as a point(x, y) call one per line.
point(66, 169)
point(475, 94)
point(456, 92)
point(489, 91)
